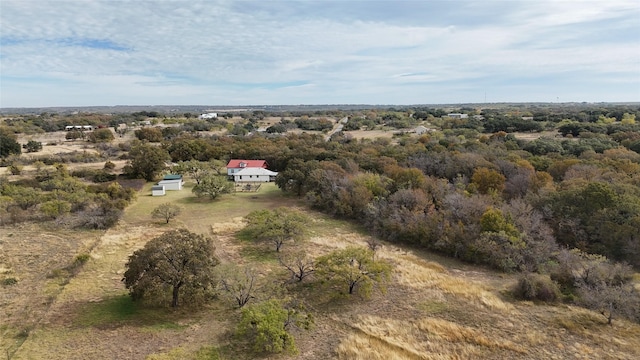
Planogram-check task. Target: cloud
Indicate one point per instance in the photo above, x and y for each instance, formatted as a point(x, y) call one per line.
point(282, 52)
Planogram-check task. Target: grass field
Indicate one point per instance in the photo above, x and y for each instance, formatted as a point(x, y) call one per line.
point(434, 308)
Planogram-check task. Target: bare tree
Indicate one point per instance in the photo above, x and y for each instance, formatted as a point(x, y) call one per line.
point(611, 300)
point(239, 283)
point(298, 264)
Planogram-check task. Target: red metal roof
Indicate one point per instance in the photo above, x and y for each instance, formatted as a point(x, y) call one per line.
point(236, 163)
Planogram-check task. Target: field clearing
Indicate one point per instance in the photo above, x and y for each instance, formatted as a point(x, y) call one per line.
point(435, 308)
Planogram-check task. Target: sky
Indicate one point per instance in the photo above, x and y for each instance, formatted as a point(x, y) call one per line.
point(188, 52)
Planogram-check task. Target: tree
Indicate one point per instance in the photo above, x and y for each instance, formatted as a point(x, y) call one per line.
point(267, 325)
point(175, 261)
point(166, 211)
point(101, 135)
point(150, 134)
point(212, 186)
point(276, 226)
point(32, 146)
point(298, 264)
point(146, 161)
point(240, 284)
point(488, 180)
point(611, 301)
point(354, 267)
point(8, 144)
point(74, 134)
point(55, 208)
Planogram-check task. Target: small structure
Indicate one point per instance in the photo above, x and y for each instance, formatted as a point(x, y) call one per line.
point(172, 182)
point(421, 130)
point(254, 174)
point(208, 116)
point(157, 190)
point(458, 116)
point(236, 165)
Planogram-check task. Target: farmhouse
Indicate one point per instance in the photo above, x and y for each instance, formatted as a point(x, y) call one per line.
point(236, 165)
point(171, 182)
point(157, 190)
point(254, 174)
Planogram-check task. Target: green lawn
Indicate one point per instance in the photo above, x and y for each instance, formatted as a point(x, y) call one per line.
point(199, 213)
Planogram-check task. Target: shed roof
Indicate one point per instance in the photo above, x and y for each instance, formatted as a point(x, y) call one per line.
point(172, 177)
point(238, 163)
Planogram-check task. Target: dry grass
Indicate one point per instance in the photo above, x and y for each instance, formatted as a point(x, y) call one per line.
point(427, 338)
point(434, 309)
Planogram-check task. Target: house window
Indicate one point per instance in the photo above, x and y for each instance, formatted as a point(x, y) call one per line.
point(240, 177)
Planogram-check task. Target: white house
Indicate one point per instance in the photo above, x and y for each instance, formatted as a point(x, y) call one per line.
point(236, 165)
point(157, 190)
point(171, 182)
point(254, 174)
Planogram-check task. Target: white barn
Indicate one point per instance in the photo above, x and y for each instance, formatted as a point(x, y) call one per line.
point(172, 182)
point(254, 175)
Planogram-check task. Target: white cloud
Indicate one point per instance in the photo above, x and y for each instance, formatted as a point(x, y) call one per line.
point(227, 52)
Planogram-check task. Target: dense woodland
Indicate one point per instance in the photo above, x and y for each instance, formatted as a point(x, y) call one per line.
point(562, 208)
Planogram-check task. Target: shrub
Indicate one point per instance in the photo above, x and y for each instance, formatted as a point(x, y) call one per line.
point(536, 287)
point(9, 281)
point(15, 169)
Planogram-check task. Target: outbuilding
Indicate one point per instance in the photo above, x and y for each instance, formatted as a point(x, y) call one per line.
point(172, 182)
point(157, 190)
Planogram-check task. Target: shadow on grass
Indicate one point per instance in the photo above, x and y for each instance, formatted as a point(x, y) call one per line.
point(255, 251)
point(121, 310)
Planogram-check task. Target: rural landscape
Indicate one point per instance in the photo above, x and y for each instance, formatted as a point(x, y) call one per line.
point(493, 231)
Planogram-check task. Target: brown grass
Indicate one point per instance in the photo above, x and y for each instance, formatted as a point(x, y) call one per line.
point(435, 308)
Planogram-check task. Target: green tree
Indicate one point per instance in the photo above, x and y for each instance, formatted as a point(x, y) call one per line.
point(356, 268)
point(488, 181)
point(267, 326)
point(33, 146)
point(166, 211)
point(212, 186)
point(8, 143)
point(176, 261)
point(276, 226)
point(55, 208)
point(146, 161)
point(150, 134)
point(101, 135)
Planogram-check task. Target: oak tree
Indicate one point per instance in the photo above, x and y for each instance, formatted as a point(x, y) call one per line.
point(356, 268)
point(175, 262)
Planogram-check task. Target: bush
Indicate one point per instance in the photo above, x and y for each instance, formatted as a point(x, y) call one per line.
point(15, 169)
point(9, 281)
point(536, 287)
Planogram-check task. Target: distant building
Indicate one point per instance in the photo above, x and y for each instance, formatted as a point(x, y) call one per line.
point(421, 130)
point(208, 116)
point(458, 116)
